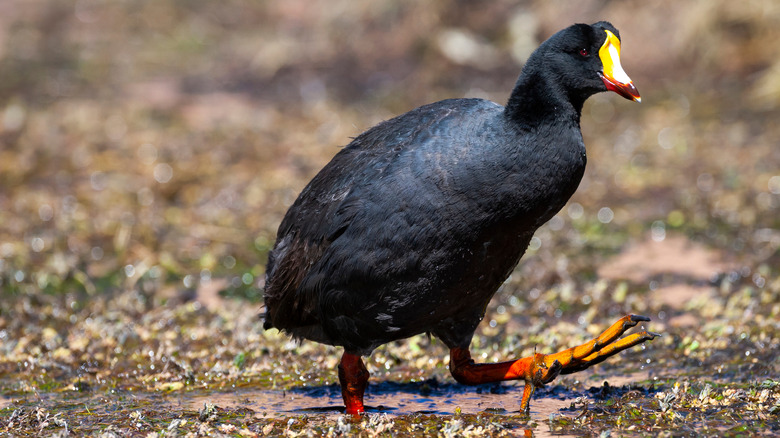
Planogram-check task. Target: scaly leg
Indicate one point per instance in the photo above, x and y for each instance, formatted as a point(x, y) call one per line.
point(540, 369)
point(353, 377)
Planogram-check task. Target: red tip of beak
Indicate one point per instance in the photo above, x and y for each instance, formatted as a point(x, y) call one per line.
point(628, 90)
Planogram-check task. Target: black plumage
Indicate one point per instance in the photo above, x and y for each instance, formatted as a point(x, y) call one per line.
point(414, 225)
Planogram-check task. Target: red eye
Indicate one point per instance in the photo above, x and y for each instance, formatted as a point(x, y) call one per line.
point(584, 52)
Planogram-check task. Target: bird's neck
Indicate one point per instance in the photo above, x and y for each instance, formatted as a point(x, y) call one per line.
point(537, 98)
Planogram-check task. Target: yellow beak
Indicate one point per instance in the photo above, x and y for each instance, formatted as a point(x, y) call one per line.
point(613, 76)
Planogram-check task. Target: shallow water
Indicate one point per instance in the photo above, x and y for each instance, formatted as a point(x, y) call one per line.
point(429, 397)
point(387, 397)
point(324, 402)
point(395, 399)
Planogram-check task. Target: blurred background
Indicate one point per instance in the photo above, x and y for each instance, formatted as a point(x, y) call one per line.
point(158, 144)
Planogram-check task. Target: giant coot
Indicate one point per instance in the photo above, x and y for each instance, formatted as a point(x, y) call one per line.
point(412, 227)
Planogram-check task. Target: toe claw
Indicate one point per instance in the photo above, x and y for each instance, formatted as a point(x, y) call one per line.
point(634, 320)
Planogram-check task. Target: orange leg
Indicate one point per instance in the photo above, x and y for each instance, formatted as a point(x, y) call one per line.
point(540, 369)
point(353, 377)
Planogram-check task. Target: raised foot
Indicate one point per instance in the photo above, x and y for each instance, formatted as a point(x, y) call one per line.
point(540, 369)
point(546, 368)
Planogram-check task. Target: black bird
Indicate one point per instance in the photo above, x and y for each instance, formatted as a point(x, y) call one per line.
point(414, 225)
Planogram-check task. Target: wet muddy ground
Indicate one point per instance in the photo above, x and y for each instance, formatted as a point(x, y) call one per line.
point(185, 369)
point(148, 151)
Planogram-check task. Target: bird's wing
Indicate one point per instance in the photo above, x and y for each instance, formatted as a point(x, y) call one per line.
point(329, 205)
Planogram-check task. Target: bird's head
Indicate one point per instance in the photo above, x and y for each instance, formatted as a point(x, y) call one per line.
point(585, 59)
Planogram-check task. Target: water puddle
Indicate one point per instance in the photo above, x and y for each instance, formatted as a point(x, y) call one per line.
point(385, 397)
point(429, 397)
point(396, 399)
